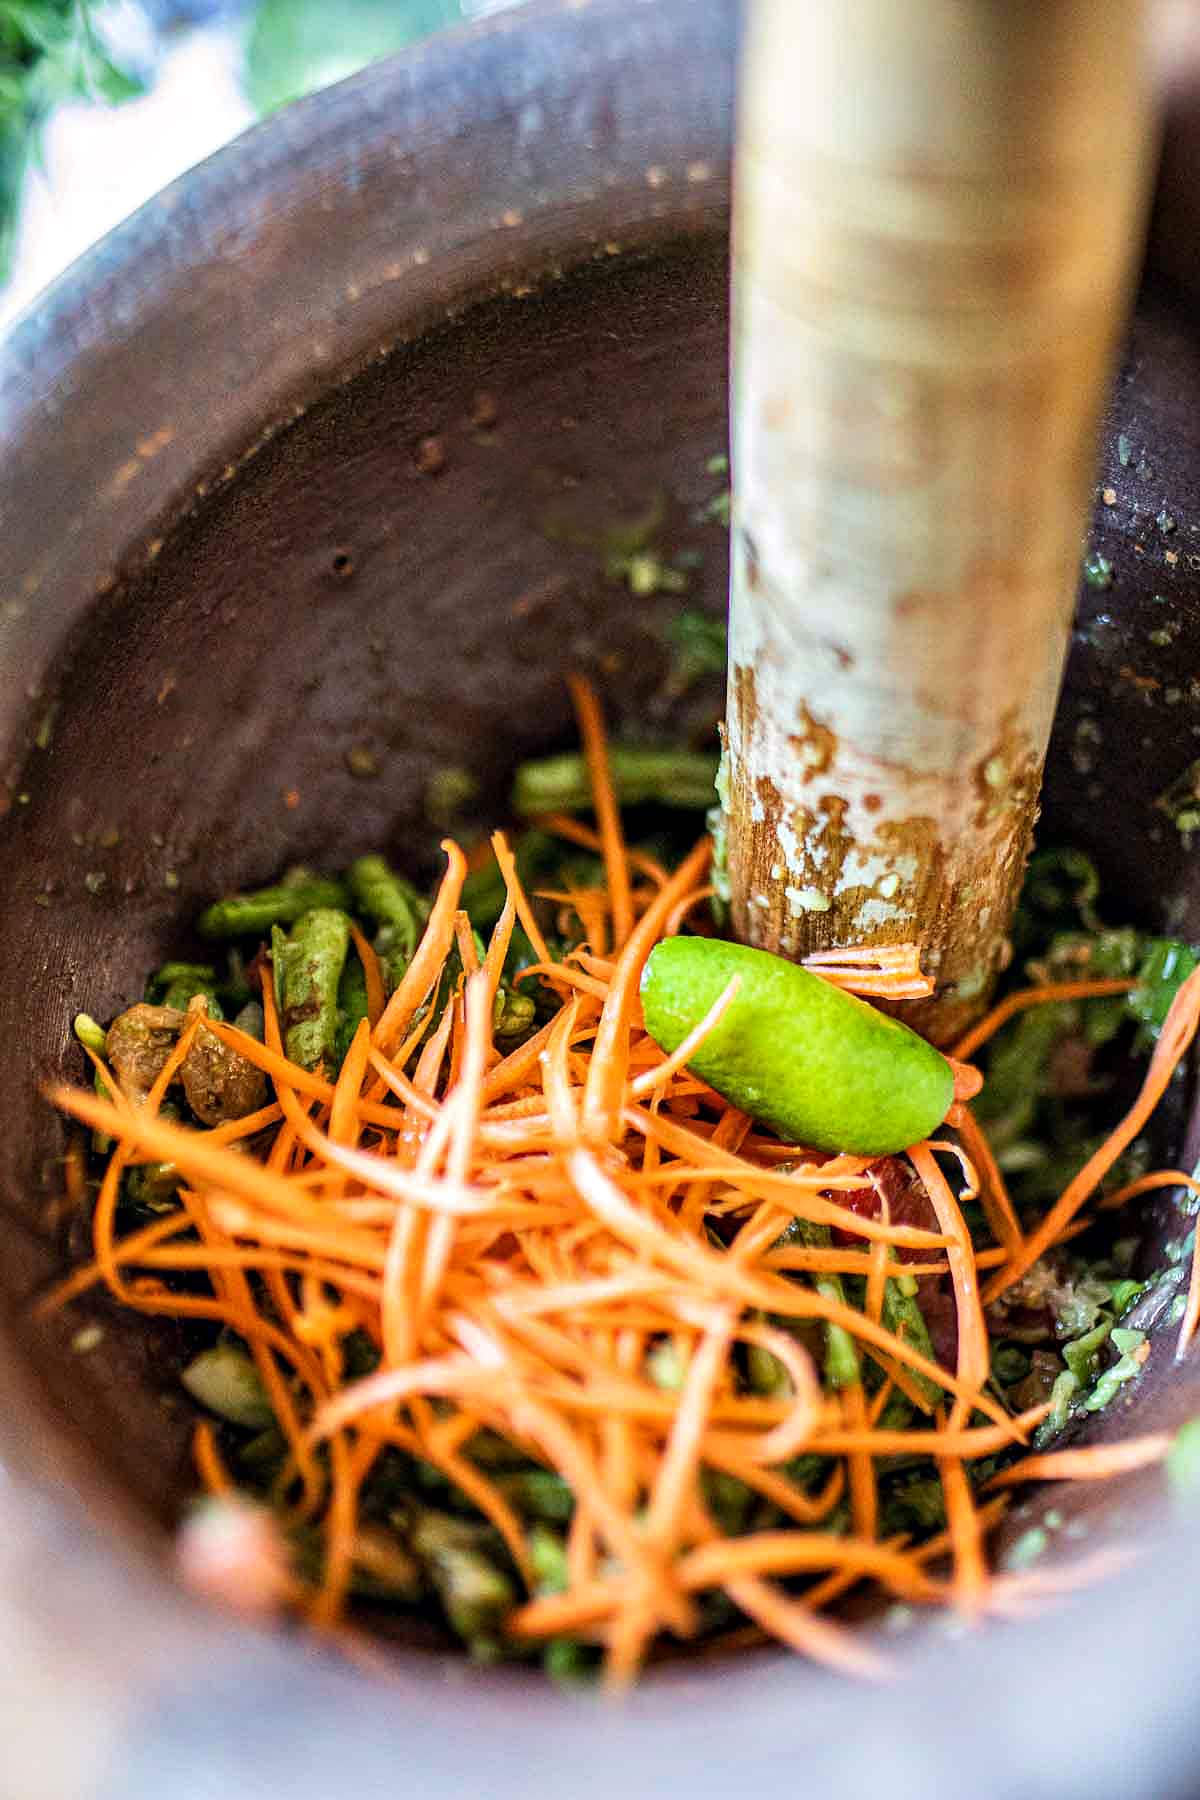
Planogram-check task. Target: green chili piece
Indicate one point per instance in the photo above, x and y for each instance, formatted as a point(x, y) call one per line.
point(313, 958)
point(818, 1065)
point(249, 915)
point(685, 779)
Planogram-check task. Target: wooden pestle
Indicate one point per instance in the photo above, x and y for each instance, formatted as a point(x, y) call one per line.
point(938, 214)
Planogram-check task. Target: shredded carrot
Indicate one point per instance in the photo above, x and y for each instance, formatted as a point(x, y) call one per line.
point(1095, 1462)
point(1177, 1033)
point(604, 800)
point(581, 1248)
point(207, 1458)
point(877, 971)
point(372, 975)
point(1012, 1004)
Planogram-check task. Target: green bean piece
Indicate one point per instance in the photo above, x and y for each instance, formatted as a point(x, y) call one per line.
point(842, 1367)
point(475, 1593)
point(395, 906)
point(484, 892)
point(567, 1662)
point(279, 942)
point(539, 1494)
point(352, 1006)
point(251, 1020)
point(818, 1065)
point(313, 959)
point(765, 1374)
point(729, 1500)
point(181, 993)
point(176, 983)
point(91, 1035)
point(94, 1037)
point(252, 914)
point(514, 1013)
point(683, 779)
point(153, 1186)
point(902, 1314)
point(548, 1555)
point(1083, 1354)
point(226, 1381)
point(235, 990)
point(1062, 1395)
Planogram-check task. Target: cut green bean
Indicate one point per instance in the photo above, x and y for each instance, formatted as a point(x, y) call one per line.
point(538, 1494)
point(176, 983)
point(251, 1020)
point(902, 1315)
point(248, 915)
point(313, 958)
point(842, 1366)
point(225, 1380)
point(514, 1013)
point(484, 893)
point(475, 1593)
point(396, 908)
point(683, 779)
point(352, 1006)
point(548, 1555)
point(153, 1186)
point(91, 1035)
point(818, 1065)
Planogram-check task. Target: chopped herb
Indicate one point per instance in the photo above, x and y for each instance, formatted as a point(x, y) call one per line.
point(1108, 1384)
point(1098, 571)
point(1027, 1549)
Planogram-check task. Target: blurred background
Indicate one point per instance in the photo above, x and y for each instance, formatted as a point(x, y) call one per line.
point(102, 102)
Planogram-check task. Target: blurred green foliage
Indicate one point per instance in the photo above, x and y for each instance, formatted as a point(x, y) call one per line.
point(295, 46)
point(49, 52)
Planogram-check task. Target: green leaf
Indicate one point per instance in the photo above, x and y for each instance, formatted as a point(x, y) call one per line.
point(49, 52)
